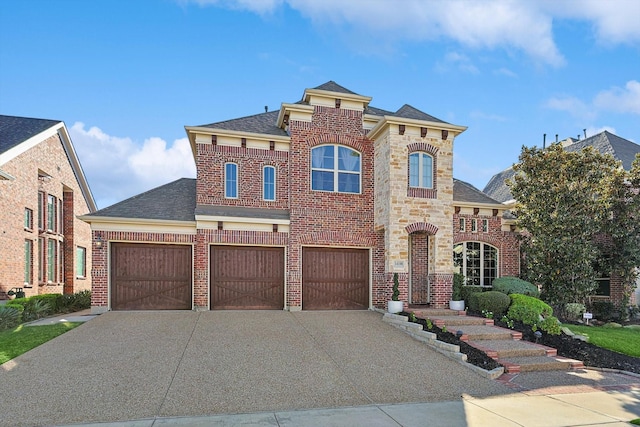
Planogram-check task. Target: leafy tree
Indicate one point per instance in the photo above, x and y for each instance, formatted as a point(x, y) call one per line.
point(579, 210)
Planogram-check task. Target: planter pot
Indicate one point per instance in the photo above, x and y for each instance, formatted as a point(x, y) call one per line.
point(456, 305)
point(395, 306)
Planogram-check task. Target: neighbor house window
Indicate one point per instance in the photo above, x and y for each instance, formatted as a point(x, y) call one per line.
point(269, 183)
point(28, 219)
point(231, 180)
point(40, 210)
point(51, 213)
point(81, 262)
point(335, 168)
point(28, 262)
point(477, 261)
point(420, 170)
point(51, 260)
point(41, 259)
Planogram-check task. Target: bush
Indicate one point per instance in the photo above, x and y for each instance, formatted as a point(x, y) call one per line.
point(54, 301)
point(82, 300)
point(573, 311)
point(469, 290)
point(534, 312)
point(458, 282)
point(604, 310)
point(493, 301)
point(513, 285)
point(10, 316)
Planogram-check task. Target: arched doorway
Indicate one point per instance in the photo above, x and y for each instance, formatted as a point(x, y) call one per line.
point(419, 268)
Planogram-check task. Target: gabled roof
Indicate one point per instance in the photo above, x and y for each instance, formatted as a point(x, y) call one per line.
point(16, 130)
point(265, 123)
point(332, 86)
point(409, 112)
point(604, 142)
point(19, 134)
point(175, 201)
point(467, 193)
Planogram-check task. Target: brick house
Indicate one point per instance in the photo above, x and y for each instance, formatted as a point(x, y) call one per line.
point(313, 206)
point(44, 247)
point(623, 150)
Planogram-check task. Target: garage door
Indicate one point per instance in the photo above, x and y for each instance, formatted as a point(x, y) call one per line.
point(150, 277)
point(335, 279)
point(247, 277)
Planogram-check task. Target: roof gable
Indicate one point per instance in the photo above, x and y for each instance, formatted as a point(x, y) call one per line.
point(332, 86)
point(409, 112)
point(16, 130)
point(265, 123)
point(467, 193)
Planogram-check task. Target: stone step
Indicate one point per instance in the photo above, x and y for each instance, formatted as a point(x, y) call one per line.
point(460, 320)
point(483, 332)
point(538, 363)
point(430, 313)
point(500, 349)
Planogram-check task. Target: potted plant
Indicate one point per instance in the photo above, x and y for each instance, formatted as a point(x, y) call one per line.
point(395, 306)
point(456, 302)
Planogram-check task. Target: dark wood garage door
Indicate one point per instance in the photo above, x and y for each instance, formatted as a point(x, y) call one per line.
point(335, 279)
point(247, 277)
point(150, 277)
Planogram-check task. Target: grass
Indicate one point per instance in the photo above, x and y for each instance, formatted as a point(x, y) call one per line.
point(621, 340)
point(21, 339)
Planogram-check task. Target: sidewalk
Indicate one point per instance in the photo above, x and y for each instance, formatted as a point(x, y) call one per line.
point(78, 316)
point(599, 408)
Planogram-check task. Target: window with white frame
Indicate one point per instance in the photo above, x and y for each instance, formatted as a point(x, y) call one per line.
point(51, 213)
point(269, 183)
point(28, 219)
point(335, 168)
point(462, 225)
point(477, 261)
point(420, 170)
point(231, 180)
point(81, 261)
point(51, 260)
point(28, 262)
point(474, 225)
point(485, 225)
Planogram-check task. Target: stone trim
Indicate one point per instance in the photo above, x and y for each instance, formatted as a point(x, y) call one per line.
point(422, 226)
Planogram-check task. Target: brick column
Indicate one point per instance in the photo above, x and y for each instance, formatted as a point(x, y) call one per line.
point(69, 242)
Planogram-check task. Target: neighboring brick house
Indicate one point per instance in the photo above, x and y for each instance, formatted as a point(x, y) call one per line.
point(314, 206)
point(44, 248)
point(610, 288)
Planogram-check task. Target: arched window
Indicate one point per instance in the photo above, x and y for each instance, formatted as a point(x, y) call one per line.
point(269, 183)
point(335, 168)
point(477, 261)
point(420, 170)
point(231, 180)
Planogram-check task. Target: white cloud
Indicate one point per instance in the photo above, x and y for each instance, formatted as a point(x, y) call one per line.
point(458, 61)
point(596, 130)
point(505, 72)
point(261, 7)
point(622, 100)
point(573, 106)
point(118, 168)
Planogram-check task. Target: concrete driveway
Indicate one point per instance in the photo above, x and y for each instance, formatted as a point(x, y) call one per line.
point(134, 365)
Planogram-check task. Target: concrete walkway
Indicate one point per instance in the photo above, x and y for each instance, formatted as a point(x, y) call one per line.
point(280, 368)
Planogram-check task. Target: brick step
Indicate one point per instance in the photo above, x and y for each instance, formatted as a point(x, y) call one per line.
point(539, 363)
point(500, 349)
point(483, 332)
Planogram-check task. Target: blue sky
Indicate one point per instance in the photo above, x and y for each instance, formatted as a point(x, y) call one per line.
point(127, 76)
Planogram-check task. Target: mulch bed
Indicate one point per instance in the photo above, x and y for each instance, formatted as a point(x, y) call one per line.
point(589, 354)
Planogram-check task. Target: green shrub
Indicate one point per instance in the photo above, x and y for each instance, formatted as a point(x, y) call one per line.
point(458, 283)
point(491, 301)
point(54, 301)
point(534, 312)
point(573, 311)
point(35, 309)
point(513, 285)
point(603, 310)
point(10, 316)
point(469, 290)
point(82, 300)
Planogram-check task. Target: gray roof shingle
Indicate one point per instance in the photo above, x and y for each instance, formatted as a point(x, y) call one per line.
point(258, 123)
point(409, 112)
point(332, 86)
point(16, 130)
point(465, 192)
point(175, 201)
point(604, 142)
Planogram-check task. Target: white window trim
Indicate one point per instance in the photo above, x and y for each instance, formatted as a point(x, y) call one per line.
point(462, 227)
point(237, 180)
point(84, 262)
point(335, 170)
point(420, 155)
point(264, 182)
point(464, 260)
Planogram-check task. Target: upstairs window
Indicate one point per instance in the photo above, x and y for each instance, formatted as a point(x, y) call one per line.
point(81, 262)
point(269, 183)
point(231, 180)
point(28, 219)
point(51, 213)
point(335, 168)
point(420, 170)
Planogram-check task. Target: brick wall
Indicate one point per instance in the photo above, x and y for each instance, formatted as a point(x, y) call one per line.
point(16, 195)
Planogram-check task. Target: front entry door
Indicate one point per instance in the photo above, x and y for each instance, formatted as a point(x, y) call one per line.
point(419, 268)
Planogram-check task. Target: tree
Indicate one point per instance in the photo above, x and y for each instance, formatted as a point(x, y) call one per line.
point(579, 210)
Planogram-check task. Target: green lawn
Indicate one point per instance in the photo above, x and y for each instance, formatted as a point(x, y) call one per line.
point(21, 339)
point(621, 340)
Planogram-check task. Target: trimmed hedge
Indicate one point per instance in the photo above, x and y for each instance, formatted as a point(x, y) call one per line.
point(513, 285)
point(38, 306)
point(493, 301)
point(468, 290)
point(534, 312)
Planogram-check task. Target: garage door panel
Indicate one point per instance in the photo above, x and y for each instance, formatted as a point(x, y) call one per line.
point(335, 279)
point(245, 277)
point(150, 277)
